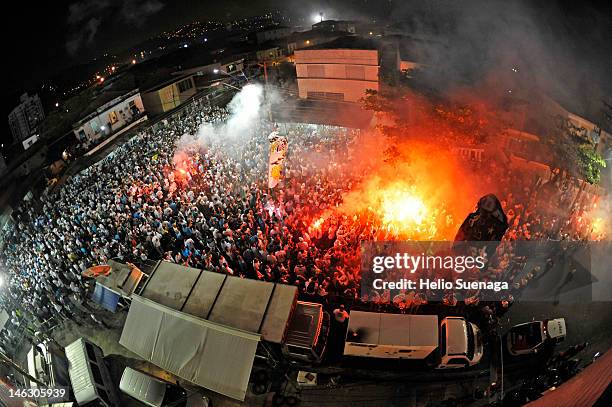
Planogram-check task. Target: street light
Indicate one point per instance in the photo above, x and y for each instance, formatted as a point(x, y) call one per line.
point(217, 71)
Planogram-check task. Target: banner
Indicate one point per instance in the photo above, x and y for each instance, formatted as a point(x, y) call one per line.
point(278, 151)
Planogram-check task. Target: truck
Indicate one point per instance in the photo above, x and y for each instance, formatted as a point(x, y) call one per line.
point(213, 310)
point(450, 343)
point(531, 337)
point(47, 363)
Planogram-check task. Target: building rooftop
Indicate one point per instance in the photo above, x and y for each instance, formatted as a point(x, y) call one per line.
point(330, 22)
point(347, 42)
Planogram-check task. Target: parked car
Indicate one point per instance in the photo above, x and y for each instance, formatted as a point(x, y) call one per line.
point(531, 337)
point(155, 392)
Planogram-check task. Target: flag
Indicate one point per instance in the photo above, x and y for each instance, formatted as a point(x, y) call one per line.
point(278, 151)
point(487, 225)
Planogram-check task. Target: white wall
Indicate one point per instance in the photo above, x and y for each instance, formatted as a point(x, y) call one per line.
point(334, 70)
point(121, 111)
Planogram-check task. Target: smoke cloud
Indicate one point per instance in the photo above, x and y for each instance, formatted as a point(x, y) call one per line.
point(85, 18)
point(511, 50)
point(246, 109)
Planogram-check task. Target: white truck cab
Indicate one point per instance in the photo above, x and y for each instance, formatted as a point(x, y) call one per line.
point(460, 343)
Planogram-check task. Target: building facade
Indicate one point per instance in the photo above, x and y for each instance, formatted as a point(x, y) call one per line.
point(25, 119)
point(335, 25)
point(110, 117)
point(272, 33)
point(2, 165)
point(341, 70)
point(169, 95)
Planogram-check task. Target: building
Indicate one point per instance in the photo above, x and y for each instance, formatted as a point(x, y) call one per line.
point(335, 25)
point(591, 132)
point(110, 117)
point(340, 70)
point(272, 33)
point(2, 165)
point(305, 39)
point(169, 95)
point(26, 117)
point(268, 54)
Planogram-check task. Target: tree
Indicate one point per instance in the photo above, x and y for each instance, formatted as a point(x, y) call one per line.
point(574, 151)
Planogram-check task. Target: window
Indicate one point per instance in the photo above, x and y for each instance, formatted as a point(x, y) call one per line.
point(185, 85)
point(457, 361)
point(315, 71)
point(334, 96)
point(443, 339)
point(97, 374)
point(316, 95)
point(470, 341)
point(299, 351)
point(355, 72)
point(325, 95)
point(91, 354)
point(112, 117)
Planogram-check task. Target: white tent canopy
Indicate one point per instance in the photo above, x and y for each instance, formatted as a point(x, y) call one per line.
point(202, 352)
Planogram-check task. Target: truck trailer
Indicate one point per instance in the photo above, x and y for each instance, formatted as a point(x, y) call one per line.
point(222, 322)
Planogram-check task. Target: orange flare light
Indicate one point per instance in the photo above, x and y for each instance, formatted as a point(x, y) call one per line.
point(401, 208)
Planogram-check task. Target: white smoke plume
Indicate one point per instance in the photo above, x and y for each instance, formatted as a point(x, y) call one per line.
point(246, 109)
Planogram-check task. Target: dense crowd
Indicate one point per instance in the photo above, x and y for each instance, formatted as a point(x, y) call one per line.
point(207, 205)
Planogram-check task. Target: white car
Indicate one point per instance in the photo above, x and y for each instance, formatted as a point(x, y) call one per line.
point(531, 337)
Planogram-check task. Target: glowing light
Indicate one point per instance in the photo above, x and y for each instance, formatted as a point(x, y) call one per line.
point(215, 70)
point(317, 224)
point(399, 207)
point(598, 228)
point(133, 62)
point(307, 41)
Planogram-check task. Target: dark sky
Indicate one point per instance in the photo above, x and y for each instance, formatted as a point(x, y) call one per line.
point(48, 36)
point(566, 44)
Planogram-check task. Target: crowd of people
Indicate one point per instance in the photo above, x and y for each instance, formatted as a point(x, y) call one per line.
point(206, 205)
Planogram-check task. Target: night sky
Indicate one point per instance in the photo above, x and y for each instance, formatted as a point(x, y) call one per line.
point(50, 36)
point(564, 43)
